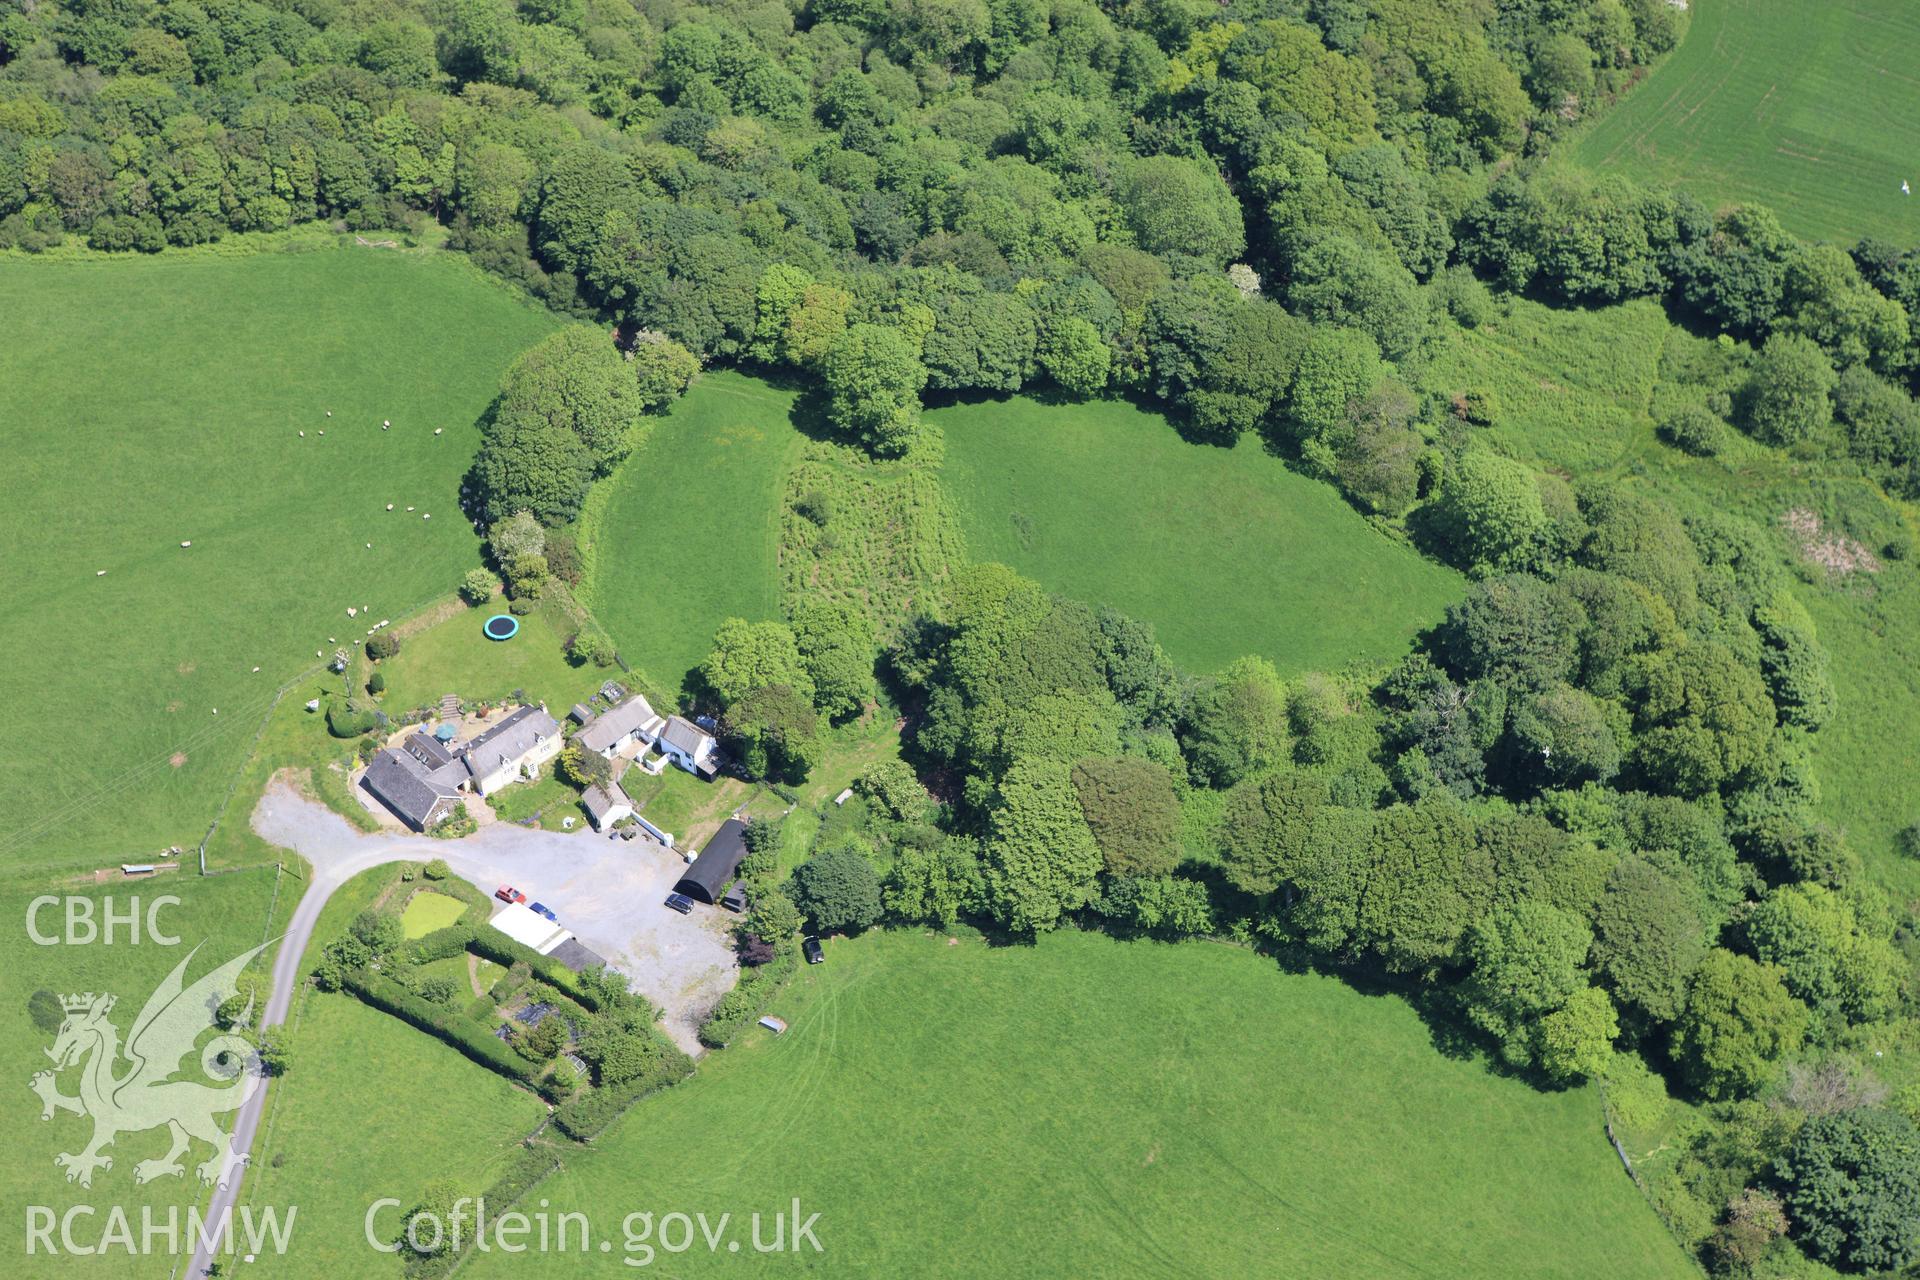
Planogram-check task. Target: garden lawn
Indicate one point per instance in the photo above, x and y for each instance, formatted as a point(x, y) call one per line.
point(427, 911)
point(455, 656)
point(376, 1108)
point(550, 798)
point(1090, 1107)
point(223, 916)
point(686, 532)
point(1805, 108)
point(1225, 551)
point(148, 402)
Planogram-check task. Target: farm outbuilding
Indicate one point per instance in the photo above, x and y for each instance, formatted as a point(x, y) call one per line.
point(707, 875)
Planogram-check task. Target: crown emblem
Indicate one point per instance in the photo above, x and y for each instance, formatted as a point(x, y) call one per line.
point(82, 1003)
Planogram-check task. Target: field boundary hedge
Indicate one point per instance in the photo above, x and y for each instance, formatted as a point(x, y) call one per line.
point(589, 1115)
point(388, 996)
point(741, 1007)
point(490, 944)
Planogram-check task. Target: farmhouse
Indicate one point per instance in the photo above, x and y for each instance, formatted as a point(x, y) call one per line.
point(690, 747)
point(421, 779)
point(606, 805)
point(715, 864)
point(419, 796)
point(513, 749)
point(632, 721)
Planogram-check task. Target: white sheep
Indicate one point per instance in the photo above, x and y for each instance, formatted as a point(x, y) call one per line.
point(436, 431)
point(389, 506)
point(99, 573)
point(303, 435)
point(186, 544)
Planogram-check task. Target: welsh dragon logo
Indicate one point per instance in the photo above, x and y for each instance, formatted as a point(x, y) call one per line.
point(130, 1088)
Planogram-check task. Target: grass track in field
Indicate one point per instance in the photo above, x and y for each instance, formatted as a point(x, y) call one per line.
point(1086, 1107)
point(1225, 551)
point(146, 402)
point(1807, 108)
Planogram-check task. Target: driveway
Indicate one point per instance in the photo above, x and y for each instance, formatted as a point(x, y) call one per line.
point(608, 892)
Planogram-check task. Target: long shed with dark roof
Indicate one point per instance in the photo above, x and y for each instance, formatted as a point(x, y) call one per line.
point(707, 875)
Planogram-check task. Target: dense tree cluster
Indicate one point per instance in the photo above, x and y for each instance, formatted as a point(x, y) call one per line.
point(1579, 818)
point(1583, 806)
point(1835, 329)
point(888, 197)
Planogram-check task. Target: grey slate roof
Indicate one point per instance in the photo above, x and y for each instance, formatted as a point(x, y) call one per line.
point(404, 785)
point(601, 800)
point(575, 956)
point(581, 713)
point(507, 741)
point(615, 724)
point(684, 734)
point(427, 749)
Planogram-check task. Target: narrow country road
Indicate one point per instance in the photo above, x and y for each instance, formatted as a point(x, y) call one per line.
point(285, 979)
point(598, 887)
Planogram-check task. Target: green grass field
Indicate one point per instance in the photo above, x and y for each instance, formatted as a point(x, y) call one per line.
point(1803, 107)
point(378, 1109)
point(1225, 552)
point(1869, 759)
point(687, 534)
point(223, 916)
point(454, 656)
point(1571, 388)
point(1578, 393)
point(1088, 1107)
point(156, 401)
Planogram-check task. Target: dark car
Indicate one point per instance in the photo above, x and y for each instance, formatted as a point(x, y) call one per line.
point(542, 909)
point(811, 949)
point(680, 902)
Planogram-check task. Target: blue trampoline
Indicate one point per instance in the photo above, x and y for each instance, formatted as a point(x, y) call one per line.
point(502, 626)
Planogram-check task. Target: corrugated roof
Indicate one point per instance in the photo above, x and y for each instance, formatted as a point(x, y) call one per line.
point(716, 863)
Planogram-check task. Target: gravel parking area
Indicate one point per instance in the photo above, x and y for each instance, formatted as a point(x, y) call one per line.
point(610, 893)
